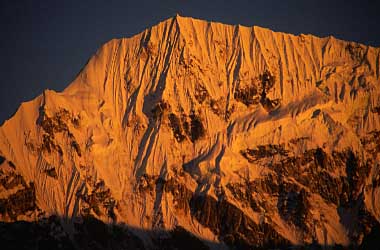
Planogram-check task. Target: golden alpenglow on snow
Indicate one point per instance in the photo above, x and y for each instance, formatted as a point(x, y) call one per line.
point(201, 135)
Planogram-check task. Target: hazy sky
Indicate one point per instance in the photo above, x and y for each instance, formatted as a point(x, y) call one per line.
point(44, 44)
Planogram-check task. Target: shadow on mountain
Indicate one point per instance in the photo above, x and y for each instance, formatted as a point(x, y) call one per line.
point(90, 233)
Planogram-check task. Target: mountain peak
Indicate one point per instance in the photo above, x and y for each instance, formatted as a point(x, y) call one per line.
point(191, 122)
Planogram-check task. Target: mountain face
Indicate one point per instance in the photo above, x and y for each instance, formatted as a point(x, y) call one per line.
point(200, 133)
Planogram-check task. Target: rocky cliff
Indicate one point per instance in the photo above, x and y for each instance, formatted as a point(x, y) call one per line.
point(227, 136)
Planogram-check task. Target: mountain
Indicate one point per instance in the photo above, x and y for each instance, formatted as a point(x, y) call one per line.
point(196, 132)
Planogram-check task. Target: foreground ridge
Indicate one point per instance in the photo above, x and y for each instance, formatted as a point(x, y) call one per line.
point(220, 135)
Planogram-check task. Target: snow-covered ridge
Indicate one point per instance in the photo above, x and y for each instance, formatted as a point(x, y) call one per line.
point(190, 109)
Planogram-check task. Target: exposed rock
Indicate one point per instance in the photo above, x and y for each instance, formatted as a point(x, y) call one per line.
point(248, 96)
point(146, 183)
point(232, 226)
point(267, 82)
point(11, 164)
point(23, 201)
point(175, 124)
point(264, 151)
point(160, 108)
point(97, 200)
point(201, 93)
point(372, 238)
point(257, 91)
point(196, 128)
point(294, 206)
point(356, 51)
point(76, 147)
point(52, 173)
point(181, 194)
point(56, 124)
point(11, 180)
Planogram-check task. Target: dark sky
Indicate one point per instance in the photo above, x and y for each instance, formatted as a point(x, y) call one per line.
point(44, 44)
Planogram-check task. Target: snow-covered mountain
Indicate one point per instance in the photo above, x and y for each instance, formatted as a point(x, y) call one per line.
point(227, 136)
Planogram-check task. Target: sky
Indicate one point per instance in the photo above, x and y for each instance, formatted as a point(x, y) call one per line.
point(44, 44)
